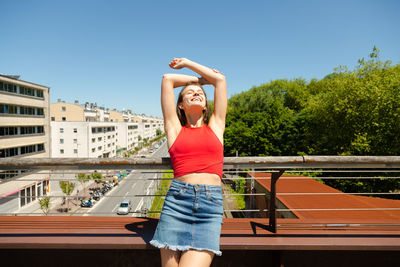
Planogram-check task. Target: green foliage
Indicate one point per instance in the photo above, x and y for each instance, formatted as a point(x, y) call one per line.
point(158, 132)
point(349, 112)
point(263, 121)
point(158, 202)
point(239, 188)
point(67, 188)
point(44, 203)
point(83, 178)
point(97, 177)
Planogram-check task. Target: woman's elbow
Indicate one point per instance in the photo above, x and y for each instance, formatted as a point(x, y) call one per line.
point(165, 76)
point(220, 79)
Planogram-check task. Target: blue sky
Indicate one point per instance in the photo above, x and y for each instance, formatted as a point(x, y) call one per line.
point(115, 52)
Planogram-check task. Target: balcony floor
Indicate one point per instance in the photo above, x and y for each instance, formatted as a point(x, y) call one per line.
point(123, 241)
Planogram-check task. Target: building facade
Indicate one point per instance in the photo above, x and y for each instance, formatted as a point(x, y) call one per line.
point(88, 130)
point(24, 132)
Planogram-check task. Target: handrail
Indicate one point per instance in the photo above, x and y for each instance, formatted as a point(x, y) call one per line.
point(276, 165)
point(273, 162)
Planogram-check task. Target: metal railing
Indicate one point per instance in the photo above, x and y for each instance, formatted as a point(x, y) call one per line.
point(387, 167)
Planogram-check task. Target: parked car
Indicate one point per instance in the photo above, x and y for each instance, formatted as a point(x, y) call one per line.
point(124, 207)
point(86, 204)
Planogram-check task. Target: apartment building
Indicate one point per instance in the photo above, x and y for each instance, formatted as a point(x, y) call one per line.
point(24, 132)
point(83, 139)
point(88, 130)
point(89, 112)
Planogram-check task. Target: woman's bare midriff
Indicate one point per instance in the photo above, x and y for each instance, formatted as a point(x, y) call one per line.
point(200, 178)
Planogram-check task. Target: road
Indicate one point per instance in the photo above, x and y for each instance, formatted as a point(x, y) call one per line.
point(135, 183)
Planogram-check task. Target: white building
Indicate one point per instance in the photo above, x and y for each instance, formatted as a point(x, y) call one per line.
point(96, 132)
point(83, 139)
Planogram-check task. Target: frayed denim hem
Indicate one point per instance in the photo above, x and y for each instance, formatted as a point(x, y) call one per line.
point(181, 248)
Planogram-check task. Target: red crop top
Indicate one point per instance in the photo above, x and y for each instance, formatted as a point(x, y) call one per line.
point(197, 150)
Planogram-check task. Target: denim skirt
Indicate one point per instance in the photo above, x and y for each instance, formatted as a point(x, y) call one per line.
point(191, 218)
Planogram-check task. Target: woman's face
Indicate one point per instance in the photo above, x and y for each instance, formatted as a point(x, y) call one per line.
point(193, 97)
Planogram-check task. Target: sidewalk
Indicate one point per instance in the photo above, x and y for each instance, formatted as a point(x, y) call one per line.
point(73, 204)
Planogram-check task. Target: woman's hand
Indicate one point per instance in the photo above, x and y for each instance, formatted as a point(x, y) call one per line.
point(178, 63)
point(204, 81)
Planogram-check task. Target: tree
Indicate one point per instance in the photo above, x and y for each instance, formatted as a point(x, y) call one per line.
point(158, 132)
point(97, 177)
point(67, 188)
point(44, 203)
point(348, 112)
point(83, 178)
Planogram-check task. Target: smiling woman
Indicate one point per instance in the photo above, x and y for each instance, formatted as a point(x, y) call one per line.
point(189, 228)
point(192, 95)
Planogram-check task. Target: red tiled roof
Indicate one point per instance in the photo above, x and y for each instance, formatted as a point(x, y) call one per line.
point(341, 201)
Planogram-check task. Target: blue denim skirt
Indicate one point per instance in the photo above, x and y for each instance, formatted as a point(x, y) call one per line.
point(191, 218)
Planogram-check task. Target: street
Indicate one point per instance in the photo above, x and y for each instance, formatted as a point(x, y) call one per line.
point(136, 183)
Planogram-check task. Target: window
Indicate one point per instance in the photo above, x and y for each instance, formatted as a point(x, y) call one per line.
point(99, 139)
point(33, 192)
point(8, 109)
point(61, 141)
point(75, 130)
point(63, 108)
point(93, 140)
point(53, 119)
point(61, 130)
point(75, 151)
point(39, 93)
point(27, 91)
point(99, 148)
point(61, 151)
point(8, 87)
point(6, 131)
point(28, 195)
point(22, 196)
point(44, 188)
point(40, 147)
point(75, 141)
point(93, 149)
point(64, 119)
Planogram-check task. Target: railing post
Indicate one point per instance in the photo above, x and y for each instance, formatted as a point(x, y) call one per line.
point(272, 203)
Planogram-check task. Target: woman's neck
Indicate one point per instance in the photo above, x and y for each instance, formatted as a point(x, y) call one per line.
point(195, 120)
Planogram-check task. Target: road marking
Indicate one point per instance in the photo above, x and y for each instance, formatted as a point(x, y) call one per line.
point(113, 210)
point(126, 194)
point(140, 205)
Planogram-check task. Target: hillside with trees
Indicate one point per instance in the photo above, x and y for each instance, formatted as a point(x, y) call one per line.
point(348, 112)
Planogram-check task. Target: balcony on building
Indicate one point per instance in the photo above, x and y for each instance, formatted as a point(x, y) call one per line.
point(289, 217)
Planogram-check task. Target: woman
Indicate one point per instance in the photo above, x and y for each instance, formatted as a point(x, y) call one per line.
point(190, 223)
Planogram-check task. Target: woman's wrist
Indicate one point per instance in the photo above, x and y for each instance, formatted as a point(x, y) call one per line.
point(187, 63)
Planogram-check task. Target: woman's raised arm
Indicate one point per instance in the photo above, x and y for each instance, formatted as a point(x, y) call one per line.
point(169, 82)
point(217, 120)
